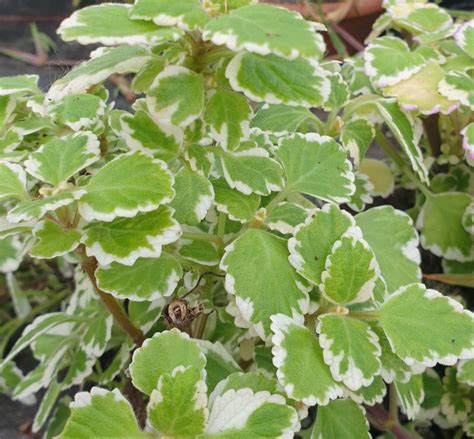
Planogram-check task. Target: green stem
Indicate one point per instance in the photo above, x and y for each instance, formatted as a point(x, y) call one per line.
point(395, 156)
point(393, 404)
point(365, 315)
point(221, 224)
point(330, 120)
point(203, 237)
point(276, 200)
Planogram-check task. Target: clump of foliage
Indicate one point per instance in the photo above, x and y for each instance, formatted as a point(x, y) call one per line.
point(228, 274)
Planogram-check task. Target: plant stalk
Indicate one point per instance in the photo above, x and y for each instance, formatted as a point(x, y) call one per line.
point(380, 419)
point(89, 265)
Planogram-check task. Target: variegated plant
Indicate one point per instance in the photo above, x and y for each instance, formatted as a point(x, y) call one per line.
point(227, 274)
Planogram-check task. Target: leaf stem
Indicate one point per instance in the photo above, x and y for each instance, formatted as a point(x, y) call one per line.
point(393, 404)
point(380, 419)
point(367, 315)
point(89, 265)
point(221, 224)
point(203, 237)
point(276, 200)
point(395, 156)
point(330, 120)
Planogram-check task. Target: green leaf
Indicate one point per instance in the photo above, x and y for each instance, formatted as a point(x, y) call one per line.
point(185, 389)
point(441, 226)
point(198, 159)
point(186, 14)
point(251, 380)
point(393, 368)
point(388, 60)
point(370, 395)
point(194, 197)
point(410, 395)
point(285, 217)
point(350, 349)
point(236, 205)
point(219, 363)
point(433, 389)
point(266, 79)
point(458, 86)
point(350, 270)
point(380, 176)
point(341, 419)
point(316, 165)
point(103, 63)
point(147, 279)
point(101, 413)
point(142, 133)
point(339, 92)
point(299, 360)
point(109, 24)
point(228, 114)
point(393, 239)
point(145, 314)
point(124, 240)
point(263, 282)
point(465, 373)
point(263, 361)
point(313, 240)
point(456, 403)
point(246, 414)
point(160, 355)
point(362, 194)
point(47, 404)
point(24, 84)
point(34, 330)
point(98, 333)
point(264, 29)
point(406, 132)
point(12, 182)
point(464, 37)
point(53, 240)
point(176, 96)
point(280, 120)
point(129, 184)
point(11, 254)
point(423, 18)
point(356, 137)
point(36, 209)
point(420, 92)
point(78, 111)
point(7, 108)
point(426, 327)
point(20, 302)
point(468, 140)
point(59, 159)
point(251, 171)
point(202, 252)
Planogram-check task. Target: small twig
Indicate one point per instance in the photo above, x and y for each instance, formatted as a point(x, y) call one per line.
point(347, 37)
point(89, 265)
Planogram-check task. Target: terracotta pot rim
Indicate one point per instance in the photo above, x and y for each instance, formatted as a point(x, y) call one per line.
point(367, 7)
